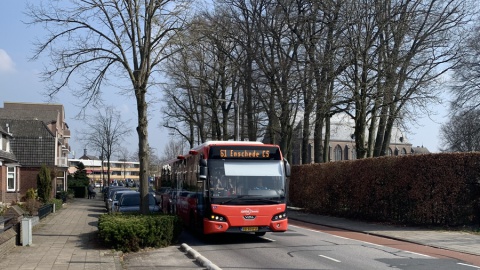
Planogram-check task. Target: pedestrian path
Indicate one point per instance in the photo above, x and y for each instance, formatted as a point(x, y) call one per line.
point(66, 239)
point(450, 240)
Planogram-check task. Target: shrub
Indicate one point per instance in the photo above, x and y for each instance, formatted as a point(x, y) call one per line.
point(58, 203)
point(31, 206)
point(3, 208)
point(31, 194)
point(131, 232)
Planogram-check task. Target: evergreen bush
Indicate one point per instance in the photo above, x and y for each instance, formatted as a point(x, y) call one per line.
point(44, 184)
point(132, 232)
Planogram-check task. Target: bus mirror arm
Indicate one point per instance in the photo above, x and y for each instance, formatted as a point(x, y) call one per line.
point(287, 167)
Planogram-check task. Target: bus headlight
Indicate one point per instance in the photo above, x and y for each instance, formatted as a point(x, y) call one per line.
point(279, 216)
point(217, 218)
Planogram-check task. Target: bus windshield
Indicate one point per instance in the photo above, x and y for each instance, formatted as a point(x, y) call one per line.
point(246, 179)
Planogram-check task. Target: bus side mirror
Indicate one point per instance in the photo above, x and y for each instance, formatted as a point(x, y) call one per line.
point(203, 173)
point(287, 168)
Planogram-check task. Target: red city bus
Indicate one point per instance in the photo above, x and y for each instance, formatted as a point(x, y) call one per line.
point(229, 187)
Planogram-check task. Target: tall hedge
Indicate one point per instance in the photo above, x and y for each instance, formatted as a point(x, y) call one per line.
point(438, 189)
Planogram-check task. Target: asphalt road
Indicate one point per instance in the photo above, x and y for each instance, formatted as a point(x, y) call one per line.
point(306, 246)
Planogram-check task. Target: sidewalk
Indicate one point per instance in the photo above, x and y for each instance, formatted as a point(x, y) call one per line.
point(449, 240)
point(65, 240)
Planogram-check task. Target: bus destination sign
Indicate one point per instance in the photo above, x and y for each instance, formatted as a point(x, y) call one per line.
point(252, 153)
point(245, 152)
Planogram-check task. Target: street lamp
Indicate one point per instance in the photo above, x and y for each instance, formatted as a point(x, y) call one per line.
point(237, 117)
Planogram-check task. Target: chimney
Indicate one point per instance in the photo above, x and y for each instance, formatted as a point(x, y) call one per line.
point(85, 152)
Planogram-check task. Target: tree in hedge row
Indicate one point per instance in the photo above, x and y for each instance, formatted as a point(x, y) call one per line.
point(80, 178)
point(44, 184)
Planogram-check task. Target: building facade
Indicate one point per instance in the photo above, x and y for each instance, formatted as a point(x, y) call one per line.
point(97, 170)
point(38, 136)
point(9, 169)
point(342, 142)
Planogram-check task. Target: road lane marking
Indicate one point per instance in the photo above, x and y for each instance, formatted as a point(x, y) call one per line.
point(419, 254)
point(332, 259)
point(269, 239)
point(474, 266)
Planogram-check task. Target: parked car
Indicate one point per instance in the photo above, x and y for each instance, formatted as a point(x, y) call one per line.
point(111, 191)
point(130, 202)
point(115, 197)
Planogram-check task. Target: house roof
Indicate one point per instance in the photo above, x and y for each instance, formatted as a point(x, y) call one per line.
point(33, 143)
point(420, 150)
point(46, 116)
point(26, 128)
point(7, 156)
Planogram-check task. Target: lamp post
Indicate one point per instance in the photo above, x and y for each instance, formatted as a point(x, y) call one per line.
point(237, 117)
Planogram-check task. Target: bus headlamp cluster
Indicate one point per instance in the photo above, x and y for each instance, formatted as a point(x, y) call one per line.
point(217, 218)
point(280, 216)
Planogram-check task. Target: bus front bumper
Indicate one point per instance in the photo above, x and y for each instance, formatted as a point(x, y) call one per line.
point(210, 227)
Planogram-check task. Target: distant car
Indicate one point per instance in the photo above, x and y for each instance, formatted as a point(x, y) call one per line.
point(130, 202)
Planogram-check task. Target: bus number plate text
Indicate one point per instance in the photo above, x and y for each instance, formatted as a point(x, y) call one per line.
point(249, 229)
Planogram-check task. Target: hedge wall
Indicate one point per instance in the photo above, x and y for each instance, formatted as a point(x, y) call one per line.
point(433, 189)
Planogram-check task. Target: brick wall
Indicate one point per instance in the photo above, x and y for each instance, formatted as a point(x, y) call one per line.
point(8, 241)
point(28, 180)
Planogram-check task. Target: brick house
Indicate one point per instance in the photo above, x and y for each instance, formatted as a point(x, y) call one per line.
point(39, 136)
point(9, 169)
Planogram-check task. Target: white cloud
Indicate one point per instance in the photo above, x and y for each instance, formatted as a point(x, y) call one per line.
point(6, 63)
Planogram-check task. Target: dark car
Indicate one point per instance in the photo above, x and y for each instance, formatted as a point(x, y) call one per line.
point(115, 197)
point(130, 202)
point(111, 192)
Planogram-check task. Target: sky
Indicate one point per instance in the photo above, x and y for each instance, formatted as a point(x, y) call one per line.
point(20, 82)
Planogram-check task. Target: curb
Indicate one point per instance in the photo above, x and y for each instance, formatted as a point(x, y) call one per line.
point(199, 258)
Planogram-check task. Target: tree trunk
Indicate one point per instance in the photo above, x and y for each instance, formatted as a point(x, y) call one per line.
point(142, 130)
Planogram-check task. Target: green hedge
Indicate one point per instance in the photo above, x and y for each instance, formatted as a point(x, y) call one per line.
point(434, 189)
point(131, 232)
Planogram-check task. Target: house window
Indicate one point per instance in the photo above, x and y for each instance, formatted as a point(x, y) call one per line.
point(338, 153)
point(389, 151)
point(11, 183)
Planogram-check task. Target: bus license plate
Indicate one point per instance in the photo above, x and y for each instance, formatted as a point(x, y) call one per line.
point(249, 229)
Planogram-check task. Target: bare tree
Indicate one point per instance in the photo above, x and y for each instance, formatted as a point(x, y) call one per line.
point(102, 39)
point(174, 148)
point(123, 155)
point(462, 132)
point(105, 131)
point(466, 76)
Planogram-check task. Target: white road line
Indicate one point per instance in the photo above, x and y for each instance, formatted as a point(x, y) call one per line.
point(332, 259)
point(474, 266)
point(341, 237)
point(419, 254)
point(269, 239)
